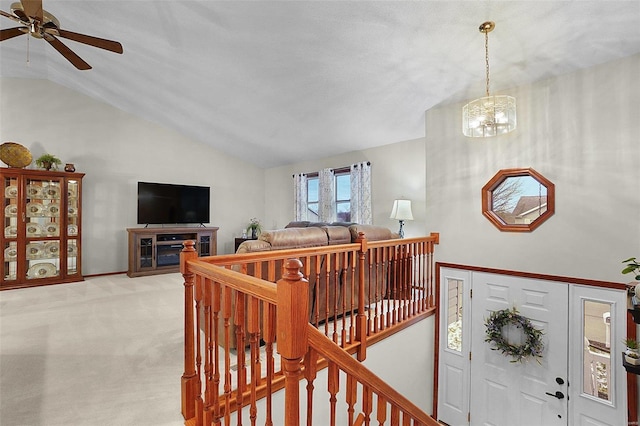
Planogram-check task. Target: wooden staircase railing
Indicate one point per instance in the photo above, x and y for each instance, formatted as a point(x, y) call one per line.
point(387, 404)
point(249, 300)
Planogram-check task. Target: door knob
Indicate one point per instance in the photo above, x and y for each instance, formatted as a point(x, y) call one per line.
point(558, 394)
point(559, 381)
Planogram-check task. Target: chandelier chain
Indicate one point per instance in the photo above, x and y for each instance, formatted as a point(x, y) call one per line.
point(486, 57)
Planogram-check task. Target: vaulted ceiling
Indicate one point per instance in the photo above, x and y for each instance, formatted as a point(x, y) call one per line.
point(275, 82)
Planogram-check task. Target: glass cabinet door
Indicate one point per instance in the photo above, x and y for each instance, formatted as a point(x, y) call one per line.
point(42, 221)
point(73, 226)
point(10, 220)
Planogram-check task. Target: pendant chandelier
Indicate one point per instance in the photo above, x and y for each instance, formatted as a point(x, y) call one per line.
point(491, 115)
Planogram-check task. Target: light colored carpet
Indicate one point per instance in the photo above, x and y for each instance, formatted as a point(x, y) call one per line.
point(106, 351)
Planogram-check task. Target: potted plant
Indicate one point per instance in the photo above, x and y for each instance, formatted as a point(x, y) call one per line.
point(254, 227)
point(632, 358)
point(632, 346)
point(48, 162)
point(632, 267)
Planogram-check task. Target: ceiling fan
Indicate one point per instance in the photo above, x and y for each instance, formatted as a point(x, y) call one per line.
point(39, 23)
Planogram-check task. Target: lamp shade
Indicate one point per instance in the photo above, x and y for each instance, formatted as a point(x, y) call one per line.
point(401, 210)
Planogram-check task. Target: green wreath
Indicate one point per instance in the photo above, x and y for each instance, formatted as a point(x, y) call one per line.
point(533, 346)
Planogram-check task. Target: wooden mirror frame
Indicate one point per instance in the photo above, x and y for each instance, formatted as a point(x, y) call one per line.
point(487, 200)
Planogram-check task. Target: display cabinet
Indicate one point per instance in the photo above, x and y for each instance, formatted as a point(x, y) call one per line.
point(41, 214)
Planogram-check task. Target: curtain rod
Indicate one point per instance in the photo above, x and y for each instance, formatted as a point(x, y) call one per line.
point(345, 168)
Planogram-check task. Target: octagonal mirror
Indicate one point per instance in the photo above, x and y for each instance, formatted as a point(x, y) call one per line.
point(518, 200)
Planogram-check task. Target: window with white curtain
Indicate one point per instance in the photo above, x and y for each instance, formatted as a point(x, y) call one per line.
point(331, 195)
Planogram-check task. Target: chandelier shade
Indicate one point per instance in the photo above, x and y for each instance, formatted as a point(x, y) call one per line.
point(491, 115)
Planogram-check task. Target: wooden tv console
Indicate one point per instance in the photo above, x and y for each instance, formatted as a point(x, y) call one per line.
point(157, 250)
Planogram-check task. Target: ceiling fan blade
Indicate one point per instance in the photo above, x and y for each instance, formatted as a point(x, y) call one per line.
point(21, 16)
point(10, 16)
point(101, 43)
point(76, 60)
point(33, 9)
point(8, 33)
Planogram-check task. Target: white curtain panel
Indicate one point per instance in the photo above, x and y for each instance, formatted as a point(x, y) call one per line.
point(326, 197)
point(361, 193)
point(300, 196)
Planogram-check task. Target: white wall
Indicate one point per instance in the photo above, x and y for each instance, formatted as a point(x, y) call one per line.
point(116, 150)
point(397, 170)
point(582, 132)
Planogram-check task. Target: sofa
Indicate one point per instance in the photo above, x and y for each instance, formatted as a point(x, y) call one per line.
point(328, 292)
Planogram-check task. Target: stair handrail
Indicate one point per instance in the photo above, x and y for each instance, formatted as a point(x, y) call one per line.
point(326, 348)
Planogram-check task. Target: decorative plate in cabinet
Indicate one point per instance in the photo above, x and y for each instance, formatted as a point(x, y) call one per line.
point(11, 210)
point(11, 191)
point(52, 249)
point(52, 229)
point(11, 231)
point(34, 209)
point(34, 191)
point(42, 270)
point(51, 192)
point(72, 230)
point(34, 229)
point(35, 250)
point(10, 253)
point(72, 250)
point(53, 210)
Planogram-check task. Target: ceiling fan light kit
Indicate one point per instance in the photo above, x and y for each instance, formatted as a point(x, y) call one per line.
point(490, 115)
point(41, 24)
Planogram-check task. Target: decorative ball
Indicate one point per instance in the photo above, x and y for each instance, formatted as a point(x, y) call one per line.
point(15, 155)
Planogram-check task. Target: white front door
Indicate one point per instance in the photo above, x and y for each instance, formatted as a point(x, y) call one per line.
point(580, 380)
point(507, 393)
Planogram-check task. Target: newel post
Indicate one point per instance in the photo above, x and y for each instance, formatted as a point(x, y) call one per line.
point(189, 379)
point(292, 321)
point(361, 319)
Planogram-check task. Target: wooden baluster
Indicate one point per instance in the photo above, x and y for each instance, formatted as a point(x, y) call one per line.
point(292, 322)
point(269, 331)
point(374, 257)
point(361, 324)
point(413, 294)
point(317, 285)
point(406, 281)
point(333, 387)
point(386, 268)
point(310, 372)
point(351, 258)
point(332, 289)
point(241, 372)
point(188, 380)
point(371, 289)
point(199, 346)
point(337, 268)
point(253, 324)
point(226, 315)
point(208, 359)
point(216, 289)
point(393, 280)
point(367, 404)
point(406, 419)
point(351, 397)
point(395, 415)
point(420, 277)
point(383, 275)
point(382, 410)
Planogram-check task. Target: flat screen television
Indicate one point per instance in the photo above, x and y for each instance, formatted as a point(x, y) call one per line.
point(163, 203)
